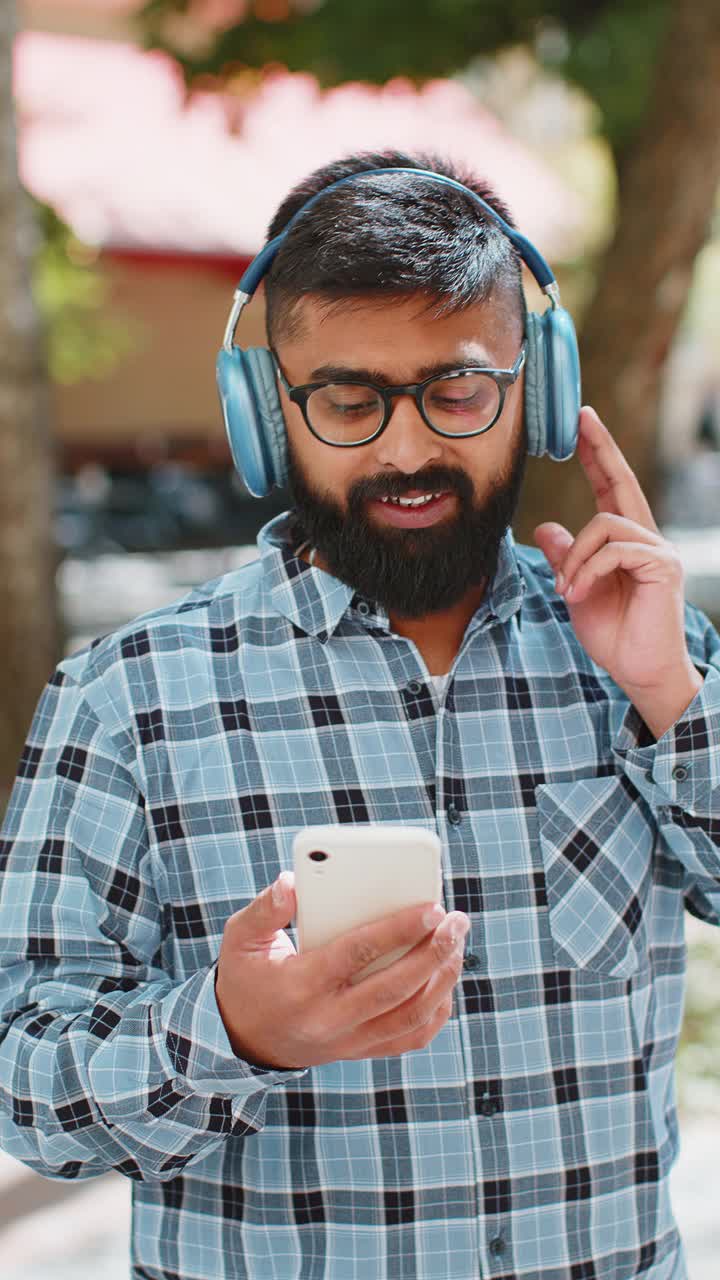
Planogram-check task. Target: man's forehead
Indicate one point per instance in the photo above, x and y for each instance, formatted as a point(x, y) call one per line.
point(384, 331)
point(314, 311)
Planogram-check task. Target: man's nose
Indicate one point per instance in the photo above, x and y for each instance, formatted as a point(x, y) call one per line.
point(407, 443)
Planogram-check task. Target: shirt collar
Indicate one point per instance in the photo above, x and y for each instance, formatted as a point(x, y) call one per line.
point(315, 601)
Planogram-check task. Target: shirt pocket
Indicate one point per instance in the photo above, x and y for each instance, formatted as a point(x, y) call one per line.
point(596, 841)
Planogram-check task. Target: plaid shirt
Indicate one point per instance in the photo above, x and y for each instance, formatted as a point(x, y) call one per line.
point(167, 770)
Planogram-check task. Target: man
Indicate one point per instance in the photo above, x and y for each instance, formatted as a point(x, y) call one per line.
point(499, 1101)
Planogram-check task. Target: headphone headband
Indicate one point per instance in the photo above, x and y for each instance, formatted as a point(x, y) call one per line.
point(529, 254)
point(263, 261)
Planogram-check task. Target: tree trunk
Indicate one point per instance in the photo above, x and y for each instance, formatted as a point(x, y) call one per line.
point(667, 190)
point(28, 616)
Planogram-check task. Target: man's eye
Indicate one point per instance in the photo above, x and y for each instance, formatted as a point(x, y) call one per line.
point(349, 401)
point(471, 392)
point(350, 406)
point(456, 399)
point(476, 400)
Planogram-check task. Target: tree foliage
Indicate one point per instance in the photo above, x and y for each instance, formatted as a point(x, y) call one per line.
point(607, 47)
point(84, 337)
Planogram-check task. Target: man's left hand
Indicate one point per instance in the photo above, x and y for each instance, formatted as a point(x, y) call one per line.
point(623, 582)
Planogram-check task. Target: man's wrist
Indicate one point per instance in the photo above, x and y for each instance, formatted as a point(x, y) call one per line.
point(662, 707)
point(240, 1052)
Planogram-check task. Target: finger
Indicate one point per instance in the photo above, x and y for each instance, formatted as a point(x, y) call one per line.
point(646, 563)
point(601, 530)
point(270, 911)
point(405, 1043)
point(444, 979)
point(391, 988)
point(614, 484)
point(333, 965)
point(417, 1038)
point(414, 1015)
point(554, 541)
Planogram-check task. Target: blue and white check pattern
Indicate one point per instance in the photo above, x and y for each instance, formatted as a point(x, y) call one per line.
point(166, 772)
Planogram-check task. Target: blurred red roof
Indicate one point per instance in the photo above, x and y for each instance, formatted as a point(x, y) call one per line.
point(107, 139)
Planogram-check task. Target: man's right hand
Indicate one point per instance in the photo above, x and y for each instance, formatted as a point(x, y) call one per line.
point(287, 1011)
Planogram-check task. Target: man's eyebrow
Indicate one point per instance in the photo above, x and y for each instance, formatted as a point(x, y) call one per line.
point(346, 373)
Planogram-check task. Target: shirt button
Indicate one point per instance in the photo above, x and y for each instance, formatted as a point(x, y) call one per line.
point(363, 607)
point(471, 961)
point(679, 773)
point(497, 1246)
point(487, 1106)
point(414, 687)
point(453, 815)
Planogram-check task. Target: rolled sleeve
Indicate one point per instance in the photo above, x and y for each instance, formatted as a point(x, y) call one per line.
point(683, 767)
point(105, 1060)
point(679, 774)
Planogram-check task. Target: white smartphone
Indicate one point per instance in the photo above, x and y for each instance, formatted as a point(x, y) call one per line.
point(352, 874)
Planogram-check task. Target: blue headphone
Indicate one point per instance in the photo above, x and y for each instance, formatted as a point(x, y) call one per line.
point(247, 383)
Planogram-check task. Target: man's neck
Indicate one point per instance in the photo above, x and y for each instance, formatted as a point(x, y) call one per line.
point(438, 636)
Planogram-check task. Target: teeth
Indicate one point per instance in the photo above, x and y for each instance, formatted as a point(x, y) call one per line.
point(412, 502)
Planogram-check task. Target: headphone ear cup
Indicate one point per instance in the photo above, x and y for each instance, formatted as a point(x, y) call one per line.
point(267, 398)
point(253, 417)
point(552, 384)
point(535, 394)
point(562, 383)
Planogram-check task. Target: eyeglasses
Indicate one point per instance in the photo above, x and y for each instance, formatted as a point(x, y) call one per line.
point(462, 403)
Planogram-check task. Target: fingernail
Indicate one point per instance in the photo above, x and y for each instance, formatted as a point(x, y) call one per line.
point(278, 892)
point(457, 934)
point(433, 916)
point(560, 582)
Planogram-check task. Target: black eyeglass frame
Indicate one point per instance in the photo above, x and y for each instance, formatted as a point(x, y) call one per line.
point(503, 379)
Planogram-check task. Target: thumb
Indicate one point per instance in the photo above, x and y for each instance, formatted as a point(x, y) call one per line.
point(269, 912)
point(554, 541)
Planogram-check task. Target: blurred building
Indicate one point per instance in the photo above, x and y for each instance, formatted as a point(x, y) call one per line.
point(175, 195)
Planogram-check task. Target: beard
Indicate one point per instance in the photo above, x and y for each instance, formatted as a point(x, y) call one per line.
point(409, 572)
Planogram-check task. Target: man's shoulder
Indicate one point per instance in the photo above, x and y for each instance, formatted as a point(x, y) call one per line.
point(192, 621)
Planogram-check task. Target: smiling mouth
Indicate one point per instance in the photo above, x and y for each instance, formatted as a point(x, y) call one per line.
point(420, 501)
point(414, 510)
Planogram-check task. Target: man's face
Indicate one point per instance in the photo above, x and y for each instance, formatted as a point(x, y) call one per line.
point(420, 569)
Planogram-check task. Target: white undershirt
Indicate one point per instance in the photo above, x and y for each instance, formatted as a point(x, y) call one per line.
point(439, 684)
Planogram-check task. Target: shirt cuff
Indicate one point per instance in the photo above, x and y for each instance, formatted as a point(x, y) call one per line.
point(198, 1048)
point(683, 767)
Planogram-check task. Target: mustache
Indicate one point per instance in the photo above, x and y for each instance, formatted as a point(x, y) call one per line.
point(432, 480)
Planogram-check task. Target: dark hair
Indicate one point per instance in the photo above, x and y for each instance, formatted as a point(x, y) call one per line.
point(389, 234)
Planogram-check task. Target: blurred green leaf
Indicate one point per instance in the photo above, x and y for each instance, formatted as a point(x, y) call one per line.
point(606, 47)
point(83, 338)
point(613, 61)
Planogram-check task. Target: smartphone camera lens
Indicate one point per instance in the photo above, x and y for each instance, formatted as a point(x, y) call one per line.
point(317, 855)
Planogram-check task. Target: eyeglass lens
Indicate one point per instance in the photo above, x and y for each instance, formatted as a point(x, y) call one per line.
point(345, 412)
